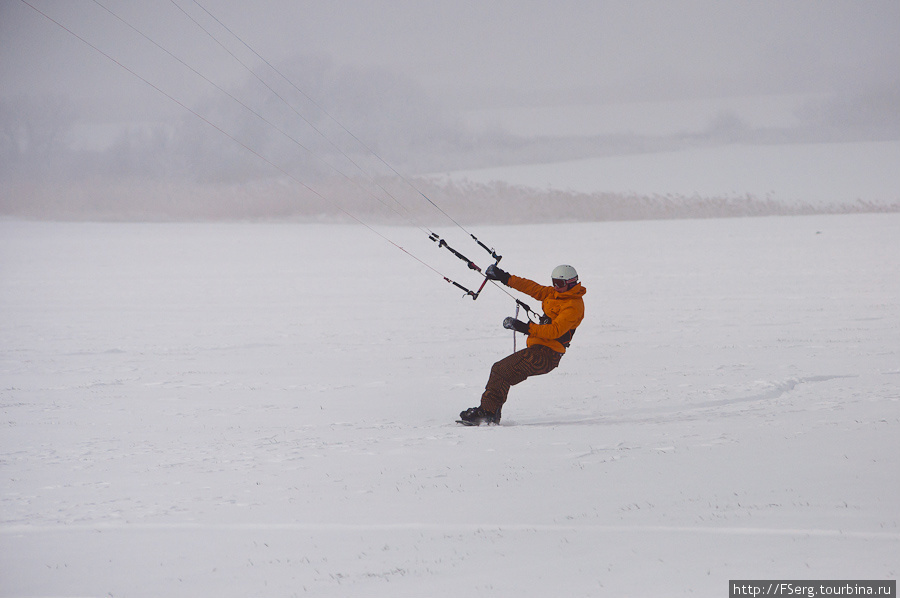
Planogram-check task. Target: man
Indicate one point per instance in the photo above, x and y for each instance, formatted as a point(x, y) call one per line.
point(547, 341)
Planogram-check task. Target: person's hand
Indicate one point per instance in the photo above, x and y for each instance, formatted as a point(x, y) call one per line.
point(493, 272)
point(511, 323)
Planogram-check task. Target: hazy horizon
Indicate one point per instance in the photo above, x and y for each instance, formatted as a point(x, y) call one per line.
point(430, 87)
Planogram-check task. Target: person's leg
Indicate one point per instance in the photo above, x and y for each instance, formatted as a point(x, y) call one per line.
point(515, 368)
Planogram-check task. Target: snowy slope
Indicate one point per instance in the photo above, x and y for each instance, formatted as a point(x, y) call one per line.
point(818, 174)
point(266, 410)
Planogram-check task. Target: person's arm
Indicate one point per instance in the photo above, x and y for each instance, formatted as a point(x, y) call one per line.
point(529, 287)
point(568, 318)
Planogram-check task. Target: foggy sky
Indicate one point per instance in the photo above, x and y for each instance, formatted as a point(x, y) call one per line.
point(476, 53)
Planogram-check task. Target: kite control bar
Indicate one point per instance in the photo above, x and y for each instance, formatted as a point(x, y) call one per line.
point(472, 265)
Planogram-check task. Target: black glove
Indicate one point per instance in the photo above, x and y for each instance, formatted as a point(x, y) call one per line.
point(517, 325)
point(492, 272)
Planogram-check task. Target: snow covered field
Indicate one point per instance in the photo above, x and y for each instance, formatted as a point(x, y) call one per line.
point(818, 174)
point(267, 410)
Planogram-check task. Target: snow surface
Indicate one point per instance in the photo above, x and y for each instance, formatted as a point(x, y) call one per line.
point(817, 173)
point(267, 410)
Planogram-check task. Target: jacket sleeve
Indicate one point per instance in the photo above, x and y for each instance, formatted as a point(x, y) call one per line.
point(529, 287)
point(567, 319)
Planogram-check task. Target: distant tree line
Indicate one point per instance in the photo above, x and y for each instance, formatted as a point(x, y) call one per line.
point(186, 169)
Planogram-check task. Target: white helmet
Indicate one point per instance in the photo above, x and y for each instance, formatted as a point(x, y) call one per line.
point(564, 276)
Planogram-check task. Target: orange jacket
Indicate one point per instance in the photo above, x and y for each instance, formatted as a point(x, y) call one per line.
point(565, 310)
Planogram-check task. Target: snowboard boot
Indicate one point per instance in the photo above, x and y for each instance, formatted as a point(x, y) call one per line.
point(476, 416)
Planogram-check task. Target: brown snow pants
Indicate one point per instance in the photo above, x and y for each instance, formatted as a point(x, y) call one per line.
point(509, 371)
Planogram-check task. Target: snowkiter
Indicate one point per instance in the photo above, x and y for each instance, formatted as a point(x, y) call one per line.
point(547, 341)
